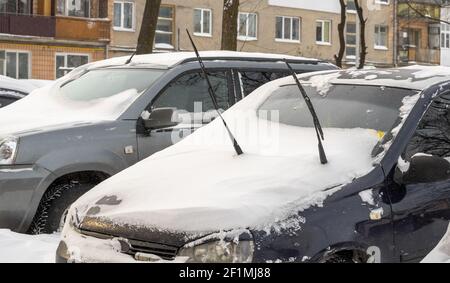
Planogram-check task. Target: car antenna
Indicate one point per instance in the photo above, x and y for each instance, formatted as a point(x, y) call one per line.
point(212, 94)
point(131, 57)
point(317, 126)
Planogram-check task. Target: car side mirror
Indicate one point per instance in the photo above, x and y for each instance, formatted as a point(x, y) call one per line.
point(161, 118)
point(424, 169)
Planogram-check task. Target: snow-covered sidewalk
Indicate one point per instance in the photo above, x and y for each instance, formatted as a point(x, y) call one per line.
point(19, 248)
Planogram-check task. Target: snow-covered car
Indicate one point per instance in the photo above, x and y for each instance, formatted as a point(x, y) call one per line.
point(63, 139)
point(383, 196)
point(12, 90)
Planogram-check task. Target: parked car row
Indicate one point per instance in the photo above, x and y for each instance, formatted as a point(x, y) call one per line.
point(117, 137)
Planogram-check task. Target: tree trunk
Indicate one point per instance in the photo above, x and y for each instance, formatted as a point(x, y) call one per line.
point(148, 27)
point(229, 24)
point(362, 35)
point(341, 30)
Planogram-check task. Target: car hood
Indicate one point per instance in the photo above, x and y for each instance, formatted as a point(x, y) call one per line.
point(45, 109)
point(196, 189)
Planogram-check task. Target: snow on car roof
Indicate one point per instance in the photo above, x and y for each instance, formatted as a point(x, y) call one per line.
point(168, 60)
point(412, 77)
point(7, 83)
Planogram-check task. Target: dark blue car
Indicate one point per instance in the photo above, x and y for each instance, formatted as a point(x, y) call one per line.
point(383, 196)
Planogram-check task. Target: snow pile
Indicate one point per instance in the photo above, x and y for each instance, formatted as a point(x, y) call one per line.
point(16, 85)
point(20, 248)
point(46, 107)
point(429, 71)
point(440, 254)
point(200, 184)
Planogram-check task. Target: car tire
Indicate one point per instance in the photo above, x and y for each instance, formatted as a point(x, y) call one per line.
point(54, 205)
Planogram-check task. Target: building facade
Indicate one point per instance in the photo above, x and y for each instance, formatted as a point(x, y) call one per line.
point(302, 27)
point(44, 39)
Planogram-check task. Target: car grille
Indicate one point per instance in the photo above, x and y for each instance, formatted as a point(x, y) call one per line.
point(164, 251)
point(132, 247)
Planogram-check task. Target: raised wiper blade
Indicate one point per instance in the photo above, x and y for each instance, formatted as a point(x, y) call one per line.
point(212, 94)
point(317, 126)
point(131, 58)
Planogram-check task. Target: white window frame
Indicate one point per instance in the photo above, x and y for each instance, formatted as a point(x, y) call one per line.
point(65, 59)
point(381, 47)
point(247, 37)
point(445, 32)
point(66, 9)
point(202, 33)
point(350, 57)
point(292, 24)
point(133, 20)
point(323, 32)
point(350, 11)
point(173, 26)
point(17, 51)
point(382, 2)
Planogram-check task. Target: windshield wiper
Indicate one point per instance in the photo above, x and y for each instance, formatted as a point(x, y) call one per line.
point(131, 58)
point(212, 94)
point(317, 126)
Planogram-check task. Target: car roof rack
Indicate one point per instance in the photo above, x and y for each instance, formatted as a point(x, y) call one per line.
point(252, 59)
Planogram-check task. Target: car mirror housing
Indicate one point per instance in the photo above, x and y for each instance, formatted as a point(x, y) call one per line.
point(424, 169)
point(161, 118)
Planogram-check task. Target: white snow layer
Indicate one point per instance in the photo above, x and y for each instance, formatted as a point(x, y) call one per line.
point(17, 85)
point(200, 184)
point(45, 107)
point(20, 248)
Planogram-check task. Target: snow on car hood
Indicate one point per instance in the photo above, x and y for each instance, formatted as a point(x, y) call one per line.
point(200, 184)
point(44, 108)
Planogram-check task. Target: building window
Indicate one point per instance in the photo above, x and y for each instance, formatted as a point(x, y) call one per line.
point(384, 2)
point(445, 36)
point(247, 26)
point(15, 64)
point(164, 28)
point(74, 8)
point(323, 32)
point(351, 8)
point(67, 62)
point(202, 22)
point(350, 41)
point(123, 15)
point(15, 6)
point(287, 29)
point(381, 33)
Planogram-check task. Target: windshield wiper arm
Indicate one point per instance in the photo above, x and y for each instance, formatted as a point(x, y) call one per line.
point(212, 94)
point(317, 126)
point(131, 58)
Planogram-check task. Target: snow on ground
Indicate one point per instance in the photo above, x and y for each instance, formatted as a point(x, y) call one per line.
point(17, 248)
point(440, 254)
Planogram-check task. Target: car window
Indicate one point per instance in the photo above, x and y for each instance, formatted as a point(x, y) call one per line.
point(4, 101)
point(192, 88)
point(251, 80)
point(433, 132)
point(103, 83)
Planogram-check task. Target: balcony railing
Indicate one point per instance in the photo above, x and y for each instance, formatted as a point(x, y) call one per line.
point(82, 29)
point(29, 25)
point(59, 27)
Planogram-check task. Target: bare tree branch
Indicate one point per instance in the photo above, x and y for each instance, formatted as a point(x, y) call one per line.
point(341, 30)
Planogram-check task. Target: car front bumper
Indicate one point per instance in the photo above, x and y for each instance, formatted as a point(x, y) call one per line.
point(75, 247)
point(21, 188)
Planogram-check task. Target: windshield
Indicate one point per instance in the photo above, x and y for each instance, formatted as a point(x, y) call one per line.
point(103, 83)
point(373, 108)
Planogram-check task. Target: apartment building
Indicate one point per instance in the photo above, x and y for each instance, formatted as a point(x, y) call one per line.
point(44, 39)
point(445, 35)
point(302, 27)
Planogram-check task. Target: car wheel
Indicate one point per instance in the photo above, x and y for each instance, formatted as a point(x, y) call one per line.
point(54, 206)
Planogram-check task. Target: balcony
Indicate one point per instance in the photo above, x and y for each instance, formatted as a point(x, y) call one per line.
point(27, 25)
point(59, 27)
point(82, 29)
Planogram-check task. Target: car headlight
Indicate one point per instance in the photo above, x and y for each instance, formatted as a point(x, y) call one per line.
point(8, 148)
point(219, 252)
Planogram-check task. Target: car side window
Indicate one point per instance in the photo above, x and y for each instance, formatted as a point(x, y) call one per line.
point(192, 88)
point(4, 101)
point(432, 136)
point(251, 80)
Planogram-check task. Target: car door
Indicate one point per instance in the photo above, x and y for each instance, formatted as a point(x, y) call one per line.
point(188, 96)
point(420, 187)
